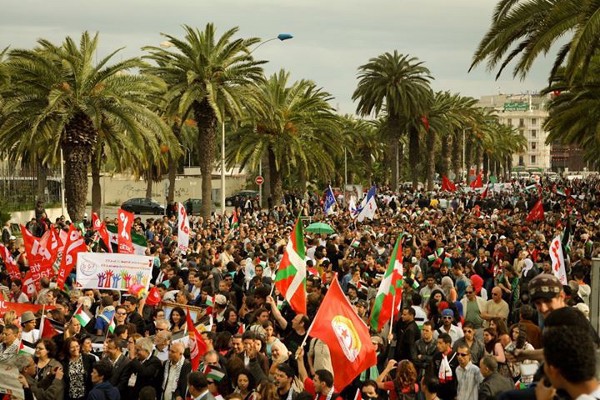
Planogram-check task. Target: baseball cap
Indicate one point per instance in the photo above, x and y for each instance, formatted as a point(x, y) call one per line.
point(448, 313)
point(544, 286)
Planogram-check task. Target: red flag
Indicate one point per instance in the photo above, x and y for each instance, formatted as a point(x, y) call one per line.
point(241, 329)
point(11, 266)
point(197, 345)
point(75, 244)
point(100, 227)
point(41, 254)
point(346, 335)
point(447, 184)
point(153, 297)
point(478, 182)
point(124, 235)
point(537, 212)
point(47, 331)
point(20, 308)
point(358, 395)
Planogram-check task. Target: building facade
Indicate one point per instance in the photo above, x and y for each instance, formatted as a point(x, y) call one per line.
point(526, 113)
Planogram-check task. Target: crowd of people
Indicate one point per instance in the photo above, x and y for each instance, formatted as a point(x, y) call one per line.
point(483, 314)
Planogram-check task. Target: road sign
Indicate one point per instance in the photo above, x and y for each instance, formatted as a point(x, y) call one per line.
point(259, 180)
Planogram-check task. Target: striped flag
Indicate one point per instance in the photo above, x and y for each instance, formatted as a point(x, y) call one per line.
point(112, 325)
point(389, 294)
point(214, 373)
point(139, 241)
point(82, 316)
point(290, 278)
point(26, 348)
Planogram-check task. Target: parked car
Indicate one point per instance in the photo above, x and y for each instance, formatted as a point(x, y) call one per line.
point(240, 197)
point(140, 205)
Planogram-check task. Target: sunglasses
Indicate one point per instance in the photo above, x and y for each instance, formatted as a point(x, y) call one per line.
point(447, 318)
point(462, 354)
point(469, 292)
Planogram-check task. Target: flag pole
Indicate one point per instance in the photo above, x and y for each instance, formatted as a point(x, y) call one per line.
point(42, 321)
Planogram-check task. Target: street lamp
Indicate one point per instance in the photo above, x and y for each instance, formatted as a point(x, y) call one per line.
point(281, 37)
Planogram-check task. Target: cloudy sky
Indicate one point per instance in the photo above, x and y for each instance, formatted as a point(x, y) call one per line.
point(331, 38)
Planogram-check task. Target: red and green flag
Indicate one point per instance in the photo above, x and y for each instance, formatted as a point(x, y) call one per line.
point(290, 278)
point(389, 295)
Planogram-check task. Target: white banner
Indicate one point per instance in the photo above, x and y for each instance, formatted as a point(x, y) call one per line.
point(183, 229)
point(113, 270)
point(9, 384)
point(558, 260)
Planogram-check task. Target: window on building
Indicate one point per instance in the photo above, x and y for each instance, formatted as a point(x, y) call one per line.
point(533, 133)
point(533, 159)
point(521, 122)
point(533, 145)
point(533, 121)
point(521, 161)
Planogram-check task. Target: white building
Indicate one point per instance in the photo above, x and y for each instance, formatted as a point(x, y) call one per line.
point(526, 113)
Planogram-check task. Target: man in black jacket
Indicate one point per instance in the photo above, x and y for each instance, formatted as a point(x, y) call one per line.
point(145, 368)
point(407, 334)
point(120, 363)
point(448, 384)
point(493, 383)
point(133, 316)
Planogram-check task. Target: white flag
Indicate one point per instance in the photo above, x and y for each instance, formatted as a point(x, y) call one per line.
point(183, 229)
point(368, 211)
point(558, 260)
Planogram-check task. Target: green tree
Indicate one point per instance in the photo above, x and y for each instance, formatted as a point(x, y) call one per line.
point(295, 125)
point(522, 30)
point(399, 83)
point(57, 90)
point(208, 79)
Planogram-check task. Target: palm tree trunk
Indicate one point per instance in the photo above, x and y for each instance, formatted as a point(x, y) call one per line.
point(41, 180)
point(149, 184)
point(478, 159)
point(276, 181)
point(302, 179)
point(96, 187)
point(78, 142)
point(468, 157)
point(173, 167)
point(430, 159)
point(413, 155)
point(446, 153)
point(456, 158)
point(207, 136)
point(266, 174)
point(394, 134)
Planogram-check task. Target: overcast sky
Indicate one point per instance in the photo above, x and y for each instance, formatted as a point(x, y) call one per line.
point(331, 38)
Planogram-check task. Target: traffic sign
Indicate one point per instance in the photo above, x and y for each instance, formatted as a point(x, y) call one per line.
point(259, 180)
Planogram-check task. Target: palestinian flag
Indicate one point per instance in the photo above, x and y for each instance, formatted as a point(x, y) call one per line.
point(112, 325)
point(26, 348)
point(290, 278)
point(214, 373)
point(389, 294)
point(139, 241)
point(82, 316)
point(234, 222)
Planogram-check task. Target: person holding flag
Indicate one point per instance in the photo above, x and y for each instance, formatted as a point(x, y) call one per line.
point(290, 278)
point(321, 387)
point(329, 201)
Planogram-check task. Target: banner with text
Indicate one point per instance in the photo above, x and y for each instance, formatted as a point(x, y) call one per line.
point(113, 271)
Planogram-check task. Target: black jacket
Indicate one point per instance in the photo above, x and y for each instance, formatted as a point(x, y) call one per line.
point(88, 363)
point(121, 374)
point(181, 388)
point(148, 373)
point(407, 335)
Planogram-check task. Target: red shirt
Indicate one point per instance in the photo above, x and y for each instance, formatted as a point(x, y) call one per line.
point(309, 386)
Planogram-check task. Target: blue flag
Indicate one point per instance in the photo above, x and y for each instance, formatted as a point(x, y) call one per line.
point(329, 201)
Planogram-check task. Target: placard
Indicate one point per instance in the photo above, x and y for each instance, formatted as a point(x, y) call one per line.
point(113, 271)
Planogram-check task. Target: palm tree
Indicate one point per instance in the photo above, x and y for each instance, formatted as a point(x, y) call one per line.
point(58, 89)
point(401, 85)
point(295, 125)
point(574, 111)
point(363, 146)
point(522, 30)
point(208, 80)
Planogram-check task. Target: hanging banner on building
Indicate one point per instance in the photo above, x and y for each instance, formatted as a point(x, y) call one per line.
point(113, 271)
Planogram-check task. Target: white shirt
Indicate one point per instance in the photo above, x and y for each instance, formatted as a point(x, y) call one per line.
point(455, 332)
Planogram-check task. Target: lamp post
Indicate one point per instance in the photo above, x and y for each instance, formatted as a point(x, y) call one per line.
point(281, 37)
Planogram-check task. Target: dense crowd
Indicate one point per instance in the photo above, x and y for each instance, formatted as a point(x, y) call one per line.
point(478, 296)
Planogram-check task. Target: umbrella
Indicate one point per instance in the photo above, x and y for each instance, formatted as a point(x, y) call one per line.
point(319, 227)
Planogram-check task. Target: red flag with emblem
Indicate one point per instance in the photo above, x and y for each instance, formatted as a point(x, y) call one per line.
point(537, 212)
point(11, 265)
point(75, 244)
point(196, 343)
point(478, 182)
point(346, 336)
point(124, 232)
point(100, 227)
